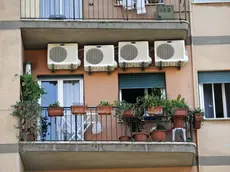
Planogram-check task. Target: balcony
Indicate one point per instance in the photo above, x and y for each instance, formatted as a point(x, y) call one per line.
point(114, 20)
point(75, 140)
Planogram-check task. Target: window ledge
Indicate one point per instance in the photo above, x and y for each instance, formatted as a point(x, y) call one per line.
point(217, 119)
point(206, 2)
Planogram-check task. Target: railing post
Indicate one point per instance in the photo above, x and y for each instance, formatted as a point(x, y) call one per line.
point(191, 128)
point(74, 9)
point(126, 10)
point(185, 9)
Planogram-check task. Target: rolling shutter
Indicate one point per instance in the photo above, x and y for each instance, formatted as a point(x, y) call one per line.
point(213, 77)
point(146, 80)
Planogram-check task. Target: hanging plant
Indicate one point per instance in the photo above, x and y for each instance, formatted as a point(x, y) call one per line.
point(28, 109)
point(27, 112)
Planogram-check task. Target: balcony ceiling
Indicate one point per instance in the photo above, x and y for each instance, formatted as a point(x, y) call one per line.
point(82, 155)
point(37, 34)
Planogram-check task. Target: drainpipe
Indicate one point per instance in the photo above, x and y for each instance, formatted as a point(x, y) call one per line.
point(195, 90)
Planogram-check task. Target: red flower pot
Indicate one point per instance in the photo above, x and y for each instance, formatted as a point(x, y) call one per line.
point(128, 113)
point(104, 110)
point(197, 121)
point(158, 135)
point(78, 110)
point(179, 117)
point(158, 110)
point(124, 138)
point(55, 112)
point(140, 137)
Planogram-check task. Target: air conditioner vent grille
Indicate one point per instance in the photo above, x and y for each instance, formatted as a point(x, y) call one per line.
point(129, 52)
point(94, 56)
point(58, 54)
point(165, 51)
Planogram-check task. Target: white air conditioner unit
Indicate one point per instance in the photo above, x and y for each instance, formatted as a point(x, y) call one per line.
point(170, 53)
point(134, 54)
point(63, 56)
point(99, 58)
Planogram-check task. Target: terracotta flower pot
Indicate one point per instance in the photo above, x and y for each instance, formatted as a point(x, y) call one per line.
point(158, 135)
point(128, 113)
point(140, 137)
point(179, 117)
point(124, 138)
point(104, 110)
point(78, 110)
point(158, 110)
point(197, 121)
point(55, 112)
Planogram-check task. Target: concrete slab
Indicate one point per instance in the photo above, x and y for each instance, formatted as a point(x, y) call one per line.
point(82, 155)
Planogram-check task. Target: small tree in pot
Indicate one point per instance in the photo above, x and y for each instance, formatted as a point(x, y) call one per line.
point(124, 111)
point(197, 118)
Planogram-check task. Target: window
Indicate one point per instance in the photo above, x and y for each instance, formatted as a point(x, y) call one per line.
point(62, 9)
point(215, 100)
point(135, 85)
point(130, 95)
point(210, 1)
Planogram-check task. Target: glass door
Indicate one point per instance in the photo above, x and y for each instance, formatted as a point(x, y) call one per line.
point(67, 92)
point(61, 9)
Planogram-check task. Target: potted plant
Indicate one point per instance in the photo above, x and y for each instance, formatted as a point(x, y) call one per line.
point(158, 133)
point(197, 118)
point(154, 104)
point(124, 109)
point(55, 110)
point(28, 109)
point(138, 124)
point(124, 113)
point(78, 109)
point(104, 108)
point(178, 110)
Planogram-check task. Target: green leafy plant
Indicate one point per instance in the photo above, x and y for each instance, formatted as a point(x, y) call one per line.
point(55, 105)
point(105, 103)
point(197, 111)
point(27, 112)
point(179, 102)
point(30, 88)
point(136, 122)
point(28, 109)
point(44, 127)
point(159, 126)
point(121, 107)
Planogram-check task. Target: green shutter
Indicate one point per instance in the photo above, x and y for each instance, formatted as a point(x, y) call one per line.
point(147, 80)
point(213, 77)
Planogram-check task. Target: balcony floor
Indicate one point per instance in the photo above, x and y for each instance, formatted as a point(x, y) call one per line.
point(38, 33)
point(82, 155)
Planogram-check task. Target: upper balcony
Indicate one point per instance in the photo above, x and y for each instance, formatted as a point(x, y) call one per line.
point(115, 20)
point(74, 140)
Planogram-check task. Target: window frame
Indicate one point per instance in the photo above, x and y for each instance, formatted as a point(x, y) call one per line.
point(209, 1)
point(202, 106)
point(60, 82)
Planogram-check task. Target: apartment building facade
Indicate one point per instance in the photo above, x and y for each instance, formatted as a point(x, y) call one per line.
point(27, 27)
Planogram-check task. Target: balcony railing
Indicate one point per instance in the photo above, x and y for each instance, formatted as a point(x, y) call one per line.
point(94, 127)
point(105, 9)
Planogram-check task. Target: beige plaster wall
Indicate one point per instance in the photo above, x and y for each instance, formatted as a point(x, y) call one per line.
point(210, 19)
point(10, 71)
point(9, 10)
point(11, 163)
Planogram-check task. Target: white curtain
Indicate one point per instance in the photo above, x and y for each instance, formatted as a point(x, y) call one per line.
point(72, 126)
